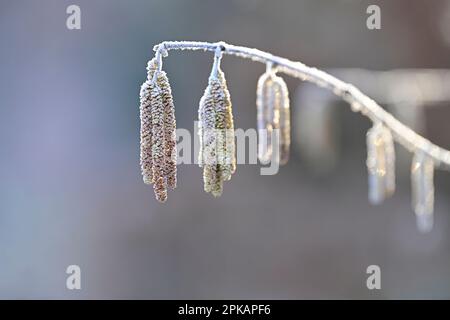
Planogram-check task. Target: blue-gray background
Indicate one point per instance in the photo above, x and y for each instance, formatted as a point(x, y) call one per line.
point(70, 185)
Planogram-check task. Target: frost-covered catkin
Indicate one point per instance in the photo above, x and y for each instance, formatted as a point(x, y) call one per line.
point(207, 122)
point(380, 163)
point(264, 114)
point(146, 133)
point(273, 117)
point(170, 151)
point(158, 145)
point(212, 118)
point(216, 131)
point(225, 123)
point(422, 174)
point(284, 117)
point(158, 132)
point(146, 158)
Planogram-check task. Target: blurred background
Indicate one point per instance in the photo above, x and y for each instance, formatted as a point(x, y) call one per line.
point(70, 185)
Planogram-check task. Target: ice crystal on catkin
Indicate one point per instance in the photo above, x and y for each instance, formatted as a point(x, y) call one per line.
point(216, 133)
point(422, 172)
point(273, 113)
point(380, 163)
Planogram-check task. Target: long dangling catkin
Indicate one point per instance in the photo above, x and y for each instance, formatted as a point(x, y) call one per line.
point(212, 169)
point(146, 133)
point(225, 124)
point(146, 158)
point(380, 163)
point(284, 118)
point(422, 172)
point(264, 110)
point(216, 132)
point(273, 113)
point(170, 151)
point(207, 120)
point(158, 131)
point(158, 145)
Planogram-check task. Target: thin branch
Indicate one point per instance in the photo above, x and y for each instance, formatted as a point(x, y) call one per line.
point(357, 100)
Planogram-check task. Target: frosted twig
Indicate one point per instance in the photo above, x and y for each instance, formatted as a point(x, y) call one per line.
point(358, 101)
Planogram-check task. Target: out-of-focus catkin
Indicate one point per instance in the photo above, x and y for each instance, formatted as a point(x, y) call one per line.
point(273, 117)
point(422, 176)
point(284, 119)
point(380, 163)
point(158, 132)
point(216, 133)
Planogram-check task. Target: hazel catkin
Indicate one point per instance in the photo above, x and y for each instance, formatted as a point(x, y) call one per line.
point(216, 133)
point(158, 153)
point(273, 117)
